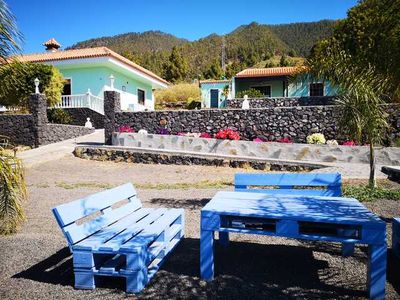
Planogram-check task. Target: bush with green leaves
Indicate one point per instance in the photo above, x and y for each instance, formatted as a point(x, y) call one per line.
point(366, 193)
point(17, 83)
point(59, 116)
point(316, 138)
point(251, 93)
point(183, 92)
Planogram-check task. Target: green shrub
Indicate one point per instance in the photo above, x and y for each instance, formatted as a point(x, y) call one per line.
point(17, 83)
point(251, 93)
point(59, 116)
point(194, 105)
point(183, 92)
point(396, 142)
point(365, 193)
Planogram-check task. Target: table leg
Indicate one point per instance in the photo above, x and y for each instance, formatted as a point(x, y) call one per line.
point(224, 236)
point(207, 254)
point(376, 271)
point(347, 249)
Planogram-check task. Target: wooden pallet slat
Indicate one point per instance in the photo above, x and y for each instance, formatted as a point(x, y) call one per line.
point(120, 239)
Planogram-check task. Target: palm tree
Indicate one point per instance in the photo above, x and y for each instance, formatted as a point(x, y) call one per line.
point(12, 192)
point(10, 37)
point(12, 184)
point(361, 97)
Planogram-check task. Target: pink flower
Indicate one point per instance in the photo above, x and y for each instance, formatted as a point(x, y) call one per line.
point(349, 143)
point(181, 134)
point(285, 140)
point(227, 134)
point(258, 140)
point(125, 128)
point(205, 135)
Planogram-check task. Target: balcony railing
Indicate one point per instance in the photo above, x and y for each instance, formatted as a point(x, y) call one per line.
point(82, 100)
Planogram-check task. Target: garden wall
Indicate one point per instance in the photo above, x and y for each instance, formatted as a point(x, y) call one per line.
point(18, 128)
point(79, 116)
point(34, 130)
point(268, 123)
point(281, 102)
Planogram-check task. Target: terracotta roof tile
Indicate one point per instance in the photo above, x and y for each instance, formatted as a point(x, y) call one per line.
point(214, 81)
point(267, 72)
point(86, 53)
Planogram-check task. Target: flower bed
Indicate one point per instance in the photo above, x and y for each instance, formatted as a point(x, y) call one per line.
point(256, 149)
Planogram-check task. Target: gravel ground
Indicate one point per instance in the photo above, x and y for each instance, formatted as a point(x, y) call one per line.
point(35, 263)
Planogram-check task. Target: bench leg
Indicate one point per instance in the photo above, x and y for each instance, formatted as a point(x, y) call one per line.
point(136, 282)
point(84, 280)
point(347, 249)
point(376, 271)
point(207, 254)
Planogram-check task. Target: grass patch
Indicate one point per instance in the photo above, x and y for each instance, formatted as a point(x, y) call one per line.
point(364, 193)
point(206, 184)
point(78, 185)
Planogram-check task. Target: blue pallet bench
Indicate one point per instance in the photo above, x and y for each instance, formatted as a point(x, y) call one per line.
point(315, 218)
point(396, 236)
point(309, 184)
point(110, 234)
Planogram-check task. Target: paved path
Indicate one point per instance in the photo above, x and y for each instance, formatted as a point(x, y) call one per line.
point(59, 150)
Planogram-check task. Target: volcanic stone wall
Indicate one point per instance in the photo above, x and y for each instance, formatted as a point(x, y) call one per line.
point(281, 102)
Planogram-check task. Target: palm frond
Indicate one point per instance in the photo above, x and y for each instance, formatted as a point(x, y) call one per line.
point(10, 37)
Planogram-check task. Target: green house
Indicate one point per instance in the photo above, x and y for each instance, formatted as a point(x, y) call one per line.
point(89, 72)
point(277, 82)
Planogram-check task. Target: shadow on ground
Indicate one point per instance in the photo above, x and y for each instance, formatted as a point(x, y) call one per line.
point(194, 204)
point(243, 271)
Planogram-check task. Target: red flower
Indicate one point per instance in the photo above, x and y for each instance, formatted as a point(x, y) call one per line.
point(205, 135)
point(125, 128)
point(228, 133)
point(349, 143)
point(285, 140)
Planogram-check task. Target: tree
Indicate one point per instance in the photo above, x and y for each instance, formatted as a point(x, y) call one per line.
point(361, 95)
point(12, 192)
point(17, 83)
point(177, 68)
point(12, 184)
point(214, 71)
point(9, 34)
point(283, 61)
point(371, 35)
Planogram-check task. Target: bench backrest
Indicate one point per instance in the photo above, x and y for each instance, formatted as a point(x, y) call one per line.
point(311, 184)
point(81, 218)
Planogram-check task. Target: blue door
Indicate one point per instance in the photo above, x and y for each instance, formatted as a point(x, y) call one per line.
point(214, 95)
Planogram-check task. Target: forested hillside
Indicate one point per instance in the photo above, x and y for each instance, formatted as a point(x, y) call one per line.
point(246, 46)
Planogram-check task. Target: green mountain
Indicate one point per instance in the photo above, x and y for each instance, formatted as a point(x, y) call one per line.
point(246, 46)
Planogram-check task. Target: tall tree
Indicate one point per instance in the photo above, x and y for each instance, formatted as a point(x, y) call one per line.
point(214, 71)
point(12, 184)
point(361, 95)
point(371, 35)
point(176, 69)
point(9, 34)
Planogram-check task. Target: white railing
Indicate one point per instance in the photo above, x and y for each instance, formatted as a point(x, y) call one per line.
point(82, 100)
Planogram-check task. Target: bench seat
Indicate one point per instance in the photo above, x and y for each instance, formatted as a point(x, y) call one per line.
point(111, 234)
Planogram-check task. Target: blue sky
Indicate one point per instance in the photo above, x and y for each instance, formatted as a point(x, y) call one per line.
point(71, 21)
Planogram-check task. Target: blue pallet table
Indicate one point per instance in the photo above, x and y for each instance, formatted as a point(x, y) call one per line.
point(396, 236)
point(111, 234)
point(315, 218)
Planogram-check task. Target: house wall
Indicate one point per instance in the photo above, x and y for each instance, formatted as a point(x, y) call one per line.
point(97, 79)
point(206, 95)
point(294, 89)
point(276, 85)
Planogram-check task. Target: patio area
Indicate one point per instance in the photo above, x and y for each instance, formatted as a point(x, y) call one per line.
point(35, 262)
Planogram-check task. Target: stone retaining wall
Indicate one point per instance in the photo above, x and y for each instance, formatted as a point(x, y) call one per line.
point(281, 102)
point(130, 156)
point(18, 128)
point(79, 116)
point(268, 123)
point(34, 130)
point(59, 132)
